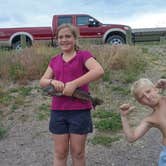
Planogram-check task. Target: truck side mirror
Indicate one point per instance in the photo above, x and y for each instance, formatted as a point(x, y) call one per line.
point(93, 23)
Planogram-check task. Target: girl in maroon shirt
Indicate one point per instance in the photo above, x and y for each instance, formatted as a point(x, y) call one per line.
point(70, 120)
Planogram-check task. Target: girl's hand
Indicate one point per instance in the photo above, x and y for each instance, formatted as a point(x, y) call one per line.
point(69, 88)
point(125, 109)
point(59, 85)
point(161, 83)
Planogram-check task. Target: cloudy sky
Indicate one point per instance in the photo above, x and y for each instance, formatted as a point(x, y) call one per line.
point(135, 13)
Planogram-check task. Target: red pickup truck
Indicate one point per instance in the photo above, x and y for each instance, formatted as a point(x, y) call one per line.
point(90, 28)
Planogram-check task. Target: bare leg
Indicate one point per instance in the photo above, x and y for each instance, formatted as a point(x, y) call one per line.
point(77, 146)
point(61, 148)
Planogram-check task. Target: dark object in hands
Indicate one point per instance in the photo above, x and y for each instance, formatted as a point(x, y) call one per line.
point(78, 93)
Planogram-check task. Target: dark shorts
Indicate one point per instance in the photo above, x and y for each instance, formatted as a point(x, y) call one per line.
point(75, 121)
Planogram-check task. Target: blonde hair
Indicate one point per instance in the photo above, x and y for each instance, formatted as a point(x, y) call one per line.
point(74, 30)
point(139, 84)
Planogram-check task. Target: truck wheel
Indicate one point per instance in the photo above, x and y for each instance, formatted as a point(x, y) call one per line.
point(115, 40)
point(17, 45)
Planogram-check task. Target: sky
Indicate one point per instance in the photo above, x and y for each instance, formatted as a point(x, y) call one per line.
point(34, 13)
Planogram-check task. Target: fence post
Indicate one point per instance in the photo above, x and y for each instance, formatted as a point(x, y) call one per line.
point(129, 36)
point(23, 41)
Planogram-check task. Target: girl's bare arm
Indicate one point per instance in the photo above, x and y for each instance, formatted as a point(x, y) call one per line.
point(95, 72)
point(47, 79)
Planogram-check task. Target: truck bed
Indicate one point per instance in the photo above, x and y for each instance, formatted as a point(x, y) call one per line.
point(37, 33)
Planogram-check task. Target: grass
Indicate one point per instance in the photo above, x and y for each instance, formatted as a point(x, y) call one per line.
point(16, 71)
point(3, 130)
point(122, 65)
point(107, 121)
point(123, 90)
point(14, 96)
point(106, 76)
point(108, 125)
point(102, 114)
point(5, 97)
point(23, 91)
point(30, 63)
point(43, 112)
point(104, 140)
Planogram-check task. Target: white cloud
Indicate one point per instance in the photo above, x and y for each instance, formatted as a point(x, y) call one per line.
point(39, 13)
point(149, 20)
point(142, 20)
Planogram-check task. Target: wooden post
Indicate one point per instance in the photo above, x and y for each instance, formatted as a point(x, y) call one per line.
point(23, 41)
point(129, 36)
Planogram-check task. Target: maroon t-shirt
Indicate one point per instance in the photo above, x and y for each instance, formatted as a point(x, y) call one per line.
point(68, 71)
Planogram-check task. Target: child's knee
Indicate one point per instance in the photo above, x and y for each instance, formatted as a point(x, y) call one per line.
point(78, 154)
point(61, 154)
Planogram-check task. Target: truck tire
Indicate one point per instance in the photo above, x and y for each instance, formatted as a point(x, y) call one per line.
point(17, 45)
point(115, 40)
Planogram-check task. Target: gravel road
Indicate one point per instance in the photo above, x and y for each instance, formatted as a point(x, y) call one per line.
point(30, 144)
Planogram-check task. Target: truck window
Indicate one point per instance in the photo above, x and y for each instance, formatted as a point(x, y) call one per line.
point(64, 19)
point(82, 20)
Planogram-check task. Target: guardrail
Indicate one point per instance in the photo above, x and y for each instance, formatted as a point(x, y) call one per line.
point(149, 35)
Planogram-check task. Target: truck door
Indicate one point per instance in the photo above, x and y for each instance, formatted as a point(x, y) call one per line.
point(89, 27)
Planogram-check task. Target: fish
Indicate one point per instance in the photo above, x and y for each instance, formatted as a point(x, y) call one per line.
point(78, 93)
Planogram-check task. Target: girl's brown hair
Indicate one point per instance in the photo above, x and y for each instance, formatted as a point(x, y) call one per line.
point(74, 30)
